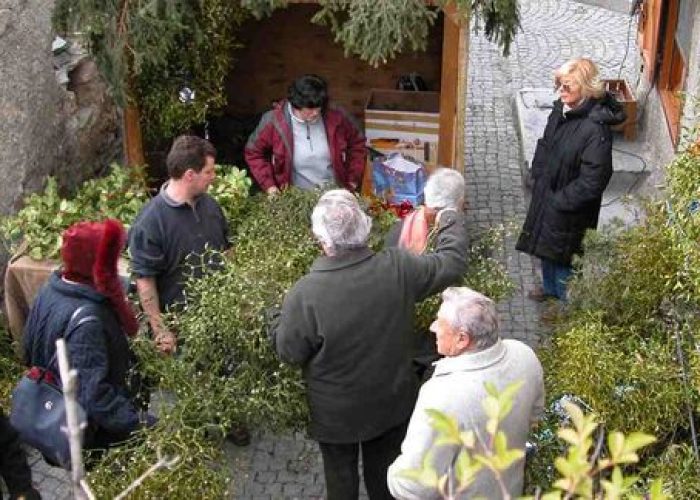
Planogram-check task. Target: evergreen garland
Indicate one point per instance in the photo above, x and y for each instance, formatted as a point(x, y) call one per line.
point(377, 30)
point(148, 50)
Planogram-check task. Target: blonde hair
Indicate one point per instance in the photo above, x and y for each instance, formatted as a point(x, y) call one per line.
point(584, 73)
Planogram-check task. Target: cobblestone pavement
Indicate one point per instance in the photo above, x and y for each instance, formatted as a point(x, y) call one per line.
point(552, 31)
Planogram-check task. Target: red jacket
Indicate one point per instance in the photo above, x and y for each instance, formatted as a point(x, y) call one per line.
point(270, 148)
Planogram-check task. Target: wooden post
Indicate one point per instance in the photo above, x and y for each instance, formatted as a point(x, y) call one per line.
point(452, 90)
point(133, 141)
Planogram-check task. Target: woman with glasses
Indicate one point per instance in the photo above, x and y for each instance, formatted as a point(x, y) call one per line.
point(570, 170)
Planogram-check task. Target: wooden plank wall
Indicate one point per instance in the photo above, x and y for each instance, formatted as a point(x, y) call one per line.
point(286, 45)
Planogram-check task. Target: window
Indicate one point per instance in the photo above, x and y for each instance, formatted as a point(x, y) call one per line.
point(648, 34)
point(672, 70)
point(664, 39)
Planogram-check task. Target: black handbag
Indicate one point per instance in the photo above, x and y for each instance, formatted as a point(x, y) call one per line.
point(38, 411)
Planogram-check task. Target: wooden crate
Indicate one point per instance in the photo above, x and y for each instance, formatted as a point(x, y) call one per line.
point(621, 90)
point(404, 122)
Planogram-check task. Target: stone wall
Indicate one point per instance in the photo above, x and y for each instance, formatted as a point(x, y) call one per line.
point(31, 135)
point(623, 6)
point(70, 131)
point(691, 110)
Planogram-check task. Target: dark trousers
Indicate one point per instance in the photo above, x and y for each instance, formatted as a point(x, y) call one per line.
point(554, 278)
point(340, 465)
point(13, 462)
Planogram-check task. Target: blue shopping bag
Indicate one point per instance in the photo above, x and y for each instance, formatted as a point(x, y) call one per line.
point(397, 178)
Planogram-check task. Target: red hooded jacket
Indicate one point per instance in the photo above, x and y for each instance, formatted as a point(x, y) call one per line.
point(270, 148)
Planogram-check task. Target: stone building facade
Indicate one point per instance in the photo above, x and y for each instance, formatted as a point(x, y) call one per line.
point(675, 66)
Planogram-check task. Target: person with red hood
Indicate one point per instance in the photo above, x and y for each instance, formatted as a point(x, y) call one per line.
point(306, 143)
point(98, 349)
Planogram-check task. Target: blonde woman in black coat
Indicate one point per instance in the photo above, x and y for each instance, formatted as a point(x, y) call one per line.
point(570, 170)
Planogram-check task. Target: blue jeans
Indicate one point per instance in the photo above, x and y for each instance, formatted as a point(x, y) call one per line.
point(554, 278)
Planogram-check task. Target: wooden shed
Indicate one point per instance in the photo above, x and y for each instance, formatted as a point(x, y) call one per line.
point(277, 49)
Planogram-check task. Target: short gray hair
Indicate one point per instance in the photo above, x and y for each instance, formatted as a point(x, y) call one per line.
point(473, 313)
point(339, 223)
point(444, 189)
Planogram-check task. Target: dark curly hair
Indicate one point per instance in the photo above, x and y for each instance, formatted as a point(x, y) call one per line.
point(308, 91)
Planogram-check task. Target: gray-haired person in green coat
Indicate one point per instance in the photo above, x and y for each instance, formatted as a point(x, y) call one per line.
point(349, 323)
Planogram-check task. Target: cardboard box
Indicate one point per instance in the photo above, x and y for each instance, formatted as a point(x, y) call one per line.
point(405, 122)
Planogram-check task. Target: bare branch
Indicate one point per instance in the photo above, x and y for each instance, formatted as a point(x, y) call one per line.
point(162, 463)
point(74, 430)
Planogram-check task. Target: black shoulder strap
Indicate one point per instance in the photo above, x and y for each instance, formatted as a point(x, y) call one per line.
point(73, 324)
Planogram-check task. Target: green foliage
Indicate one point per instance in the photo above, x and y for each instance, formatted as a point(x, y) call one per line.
point(678, 469)
point(490, 452)
point(124, 33)
point(10, 368)
point(618, 372)
point(485, 271)
point(38, 226)
point(683, 212)
point(584, 463)
point(500, 18)
point(149, 49)
point(230, 190)
point(485, 274)
point(261, 8)
point(611, 282)
point(181, 431)
point(200, 60)
point(634, 305)
point(377, 30)
point(580, 468)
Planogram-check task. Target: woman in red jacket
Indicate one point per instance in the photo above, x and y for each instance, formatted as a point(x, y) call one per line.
point(306, 143)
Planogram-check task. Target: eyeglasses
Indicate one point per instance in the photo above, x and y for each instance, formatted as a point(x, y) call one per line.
point(565, 87)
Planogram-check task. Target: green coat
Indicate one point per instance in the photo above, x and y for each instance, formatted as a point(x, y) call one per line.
point(349, 323)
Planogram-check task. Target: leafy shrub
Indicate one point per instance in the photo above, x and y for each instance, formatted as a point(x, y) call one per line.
point(230, 190)
point(585, 471)
point(618, 373)
point(679, 470)
point(634, 305)
point(39, 225)
point(612, 280)
point(10, 368)
point(200, 59)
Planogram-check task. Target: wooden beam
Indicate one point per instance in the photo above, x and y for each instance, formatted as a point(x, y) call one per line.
point(461, 116)
point(452, 88)
point(133, 140)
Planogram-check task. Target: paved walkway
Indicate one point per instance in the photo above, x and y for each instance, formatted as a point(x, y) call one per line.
point(552, 31)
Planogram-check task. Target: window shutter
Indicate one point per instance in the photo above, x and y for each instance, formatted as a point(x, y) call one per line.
point(648, 35)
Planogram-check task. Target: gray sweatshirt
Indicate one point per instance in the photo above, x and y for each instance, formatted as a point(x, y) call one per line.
point(312, 157)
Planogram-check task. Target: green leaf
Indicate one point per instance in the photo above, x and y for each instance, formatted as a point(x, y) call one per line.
point(446, 426)
point(468, 439)
point(637, 440)
point(656, 491)
point(465, 470)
